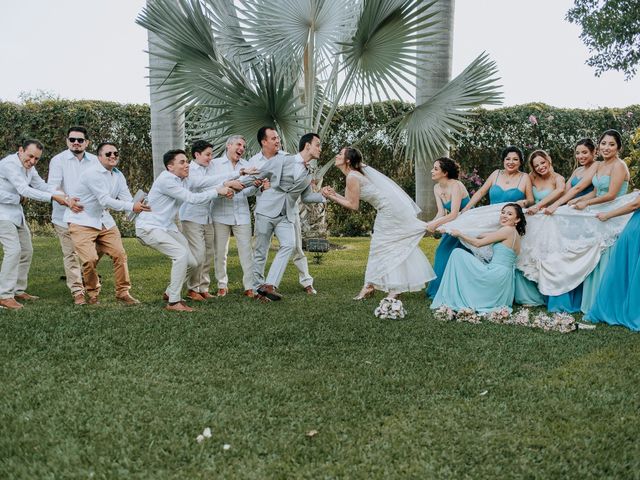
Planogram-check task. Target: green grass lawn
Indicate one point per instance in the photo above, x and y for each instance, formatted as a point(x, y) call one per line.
point(122, 392)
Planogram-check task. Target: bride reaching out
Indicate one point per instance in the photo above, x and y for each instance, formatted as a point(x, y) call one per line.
point(396, 264)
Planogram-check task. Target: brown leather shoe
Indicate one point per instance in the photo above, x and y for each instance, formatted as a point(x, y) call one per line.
point(207, 295)
point(195, 296)
point(25, 296)
point(178, 307)
point(222, 292)
point(93, 301)
point(270, 292)
point(310, 290)
point(10, 304)
point(261, 298)
point(78, 299)
point(165, 297)
point(249, 293)
point(128, 300)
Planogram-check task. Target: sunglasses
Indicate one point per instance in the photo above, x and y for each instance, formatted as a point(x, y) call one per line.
point(115, 154)
point(76, 140)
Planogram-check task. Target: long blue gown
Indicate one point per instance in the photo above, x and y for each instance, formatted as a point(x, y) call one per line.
point(618, 299)
point(470, 283)
point(443, 252)
point(526, 291)
point(569, 302)
point(591, 284)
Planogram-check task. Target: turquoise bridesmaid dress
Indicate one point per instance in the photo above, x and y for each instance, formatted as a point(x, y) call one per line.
point(443, 252)
point(470, 283)
point(575, 181)
point(526, 291)
point(618, 299)
point(592, 282)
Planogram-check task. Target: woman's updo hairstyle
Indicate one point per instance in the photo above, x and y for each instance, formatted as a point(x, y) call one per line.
point(450, 167)
point(521, 226)
point(512, 149)
point(353, 157)
point(615, 134)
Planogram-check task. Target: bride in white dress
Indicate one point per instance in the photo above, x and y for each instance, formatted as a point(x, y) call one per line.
point(396, 264)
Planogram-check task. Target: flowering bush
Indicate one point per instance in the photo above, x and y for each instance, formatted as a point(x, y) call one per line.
point(471, 180)
point(390, 308)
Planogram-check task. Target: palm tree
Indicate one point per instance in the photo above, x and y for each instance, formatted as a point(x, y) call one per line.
point(242, 64)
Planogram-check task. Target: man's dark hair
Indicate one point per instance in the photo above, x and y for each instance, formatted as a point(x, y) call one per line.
point(199, 146)
point(307, 138)
point(31, 141)
point(262, 133)
point(78, 128)
point(168, 157)
point(104, 144)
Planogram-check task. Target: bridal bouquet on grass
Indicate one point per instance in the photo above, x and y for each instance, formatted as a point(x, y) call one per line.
point(390, 308)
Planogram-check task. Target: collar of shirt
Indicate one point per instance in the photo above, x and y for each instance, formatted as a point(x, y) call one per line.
point(298, 159)
point(69, 155)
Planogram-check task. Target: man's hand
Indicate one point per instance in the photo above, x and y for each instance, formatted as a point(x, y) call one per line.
point(266, 184)
point(141, 207)
point(225, 192)
point(249, 171)
point(74, 204)
point(235, 184)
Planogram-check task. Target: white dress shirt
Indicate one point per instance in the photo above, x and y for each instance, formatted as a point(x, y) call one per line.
point(168, 193)
point(231, 211)
point(65, 173)
point(201, 212)
point(98, 190)
point(17, 180)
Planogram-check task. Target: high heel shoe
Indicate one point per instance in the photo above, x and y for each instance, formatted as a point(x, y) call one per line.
point(366, 292)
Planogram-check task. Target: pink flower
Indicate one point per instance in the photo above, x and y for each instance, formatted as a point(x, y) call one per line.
point(629, 114)
point(533, 120)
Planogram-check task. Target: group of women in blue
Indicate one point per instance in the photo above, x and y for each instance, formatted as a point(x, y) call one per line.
point(466, 282)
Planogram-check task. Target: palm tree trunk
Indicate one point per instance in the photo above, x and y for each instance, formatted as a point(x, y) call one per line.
point(437, 67)
point(167, 124)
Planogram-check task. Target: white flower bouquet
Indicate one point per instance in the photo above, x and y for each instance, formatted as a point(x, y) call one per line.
point(390, 308)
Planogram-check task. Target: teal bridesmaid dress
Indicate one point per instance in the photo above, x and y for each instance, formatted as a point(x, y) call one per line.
point(443, 252)
point(575, 181)
point(592, 282)
point(618, 299)
point(470, 283)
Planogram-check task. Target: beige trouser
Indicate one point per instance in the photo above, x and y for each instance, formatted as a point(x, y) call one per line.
point(90, 244)
point(70, 260)
point(299, 258)
point(201, 243)
point(17, 248)
point(176, 247)
point(242, 233)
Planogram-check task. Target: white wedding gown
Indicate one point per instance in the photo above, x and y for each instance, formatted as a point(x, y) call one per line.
point(396, 264)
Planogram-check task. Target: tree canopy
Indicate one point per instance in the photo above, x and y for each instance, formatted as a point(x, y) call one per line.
point(611, 31)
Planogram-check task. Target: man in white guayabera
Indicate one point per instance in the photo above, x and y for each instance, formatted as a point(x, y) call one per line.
point(19, 179)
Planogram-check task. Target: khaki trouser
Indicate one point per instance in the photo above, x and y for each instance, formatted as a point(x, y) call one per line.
point(201, 240)
point(17, 248)
point(90, 243)
point(71, 262)
point(176, 247)
point(242, 233)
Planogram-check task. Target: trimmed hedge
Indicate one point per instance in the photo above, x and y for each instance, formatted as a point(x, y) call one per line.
point(529, 126)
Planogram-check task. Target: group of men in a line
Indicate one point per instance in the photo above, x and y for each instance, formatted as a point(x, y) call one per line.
point(191, 211)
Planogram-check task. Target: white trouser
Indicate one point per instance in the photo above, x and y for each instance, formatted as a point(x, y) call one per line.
point(201, 242)
point(242, 233)
point(285, 232)
point(299, 258)
point(70, 260)
point(176, 247)
point(17, 248)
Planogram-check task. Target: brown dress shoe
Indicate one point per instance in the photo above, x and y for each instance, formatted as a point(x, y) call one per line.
point(10, 304)
point(79, 299)
point(270, 292)
point(93, 301)
point(310, 290)
point(206, 295)
point(222, 292)
point(178, 307)
point(165, 297)
point(261, 298)
point(128, 300)
point(25, 296)
point(195, 296)
point(249, 293)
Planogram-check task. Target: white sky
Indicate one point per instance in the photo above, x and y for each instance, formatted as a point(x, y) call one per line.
point(92, 49)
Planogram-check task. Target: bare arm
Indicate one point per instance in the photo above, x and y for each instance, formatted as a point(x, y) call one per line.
point(554, 195)
point(573, 191)
point(351, 198)
point(482, 191)
point(488, 239)
point(456, 201)
point(618, 176)
point(528, 193)
point(628, 208)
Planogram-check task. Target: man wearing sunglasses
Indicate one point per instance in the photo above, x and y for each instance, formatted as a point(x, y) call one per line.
point(64, 174)
point(93, 230)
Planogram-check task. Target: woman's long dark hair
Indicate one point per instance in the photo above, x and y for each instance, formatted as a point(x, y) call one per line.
point(521, 226)
point(354, 158)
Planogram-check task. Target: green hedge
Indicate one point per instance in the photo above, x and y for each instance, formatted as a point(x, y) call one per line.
point(478, 150)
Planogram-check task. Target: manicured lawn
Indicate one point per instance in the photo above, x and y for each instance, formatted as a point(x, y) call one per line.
point(122, 392)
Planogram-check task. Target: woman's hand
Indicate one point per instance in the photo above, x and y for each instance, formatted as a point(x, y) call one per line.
point(602, 216)
point(533, 210)
point(328, 192)
point(573, 201)
point(581, 205)
point(550, 210)
point(455, 233)
point(430, 227)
